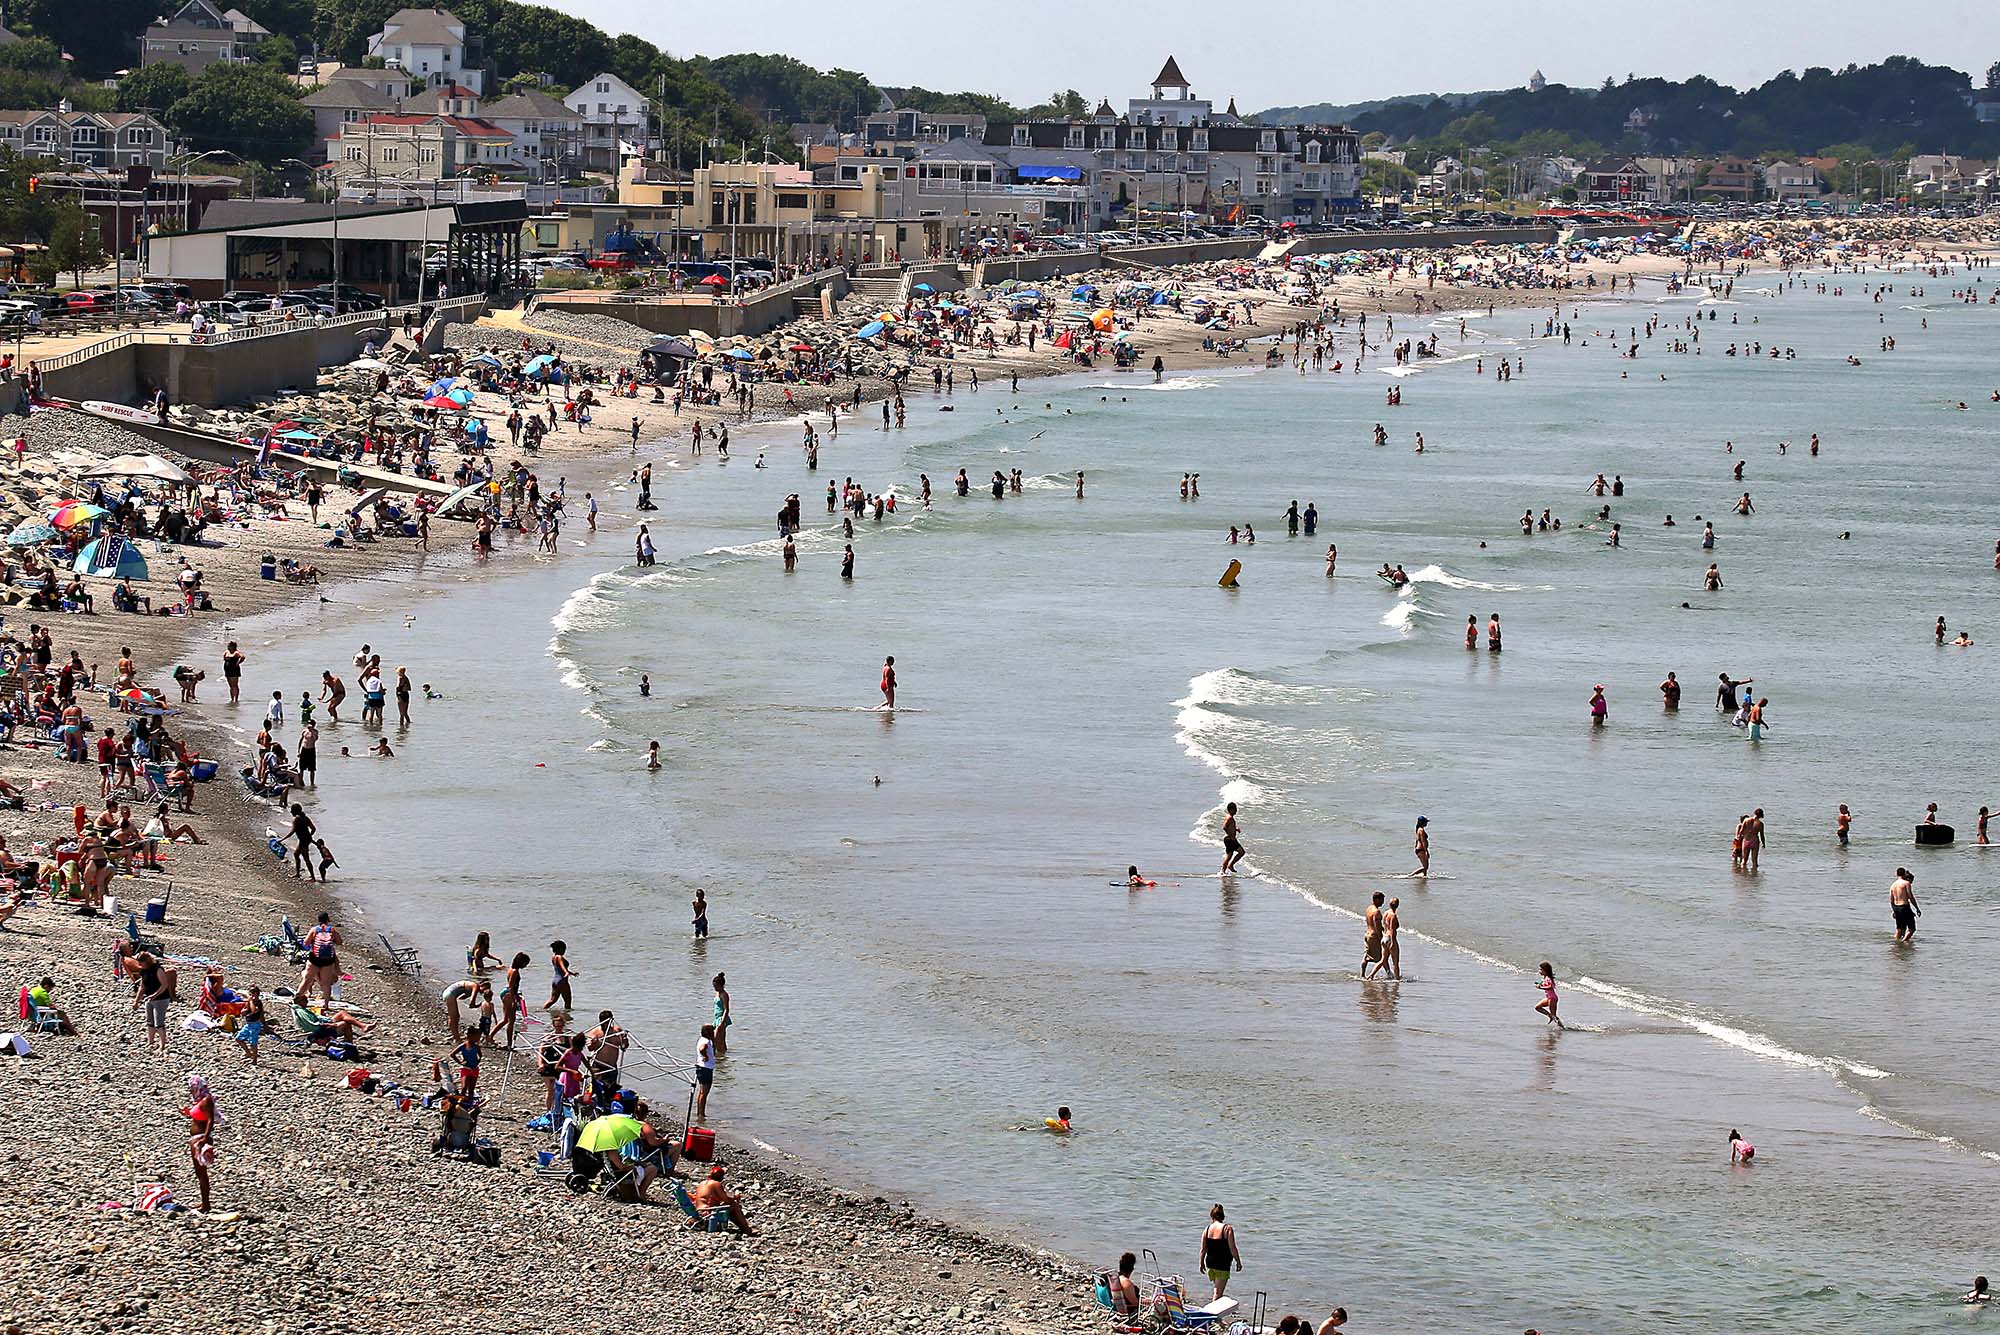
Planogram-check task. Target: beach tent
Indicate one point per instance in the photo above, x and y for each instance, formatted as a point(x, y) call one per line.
point(146, 466)
point(485, 357)
point(112, 556)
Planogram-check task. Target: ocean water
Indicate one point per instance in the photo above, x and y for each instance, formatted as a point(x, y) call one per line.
point(924, 966)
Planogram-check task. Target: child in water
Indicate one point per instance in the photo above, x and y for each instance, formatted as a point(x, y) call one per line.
point(1060, 1122)
point(1547, 1005)
point(1740, 1150)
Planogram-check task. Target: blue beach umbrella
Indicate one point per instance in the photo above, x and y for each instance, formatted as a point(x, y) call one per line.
point(537, 364)
point(29, 532)
point(922, 287)
point(873, 329)
point(738, 354)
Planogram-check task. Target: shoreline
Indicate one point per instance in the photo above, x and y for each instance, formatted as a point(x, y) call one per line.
point(351, 1143)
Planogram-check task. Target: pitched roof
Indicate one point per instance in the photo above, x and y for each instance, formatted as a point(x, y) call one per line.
point(457, 90)
point(1104, 109)
point(244, 23)
point(473, 126)
point(7, 38)
point(349, 95)
point(229, 214)
point(427, 27)
point(1170, 75)
point(532, 104)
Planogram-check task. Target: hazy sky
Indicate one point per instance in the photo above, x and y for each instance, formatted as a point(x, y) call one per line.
point(1281, 55)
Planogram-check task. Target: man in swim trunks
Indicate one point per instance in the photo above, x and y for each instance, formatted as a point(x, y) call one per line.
point(1371, 934)
point(1903, 905)
point(1232, 846)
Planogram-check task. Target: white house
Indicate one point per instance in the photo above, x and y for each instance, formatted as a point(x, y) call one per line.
point(431, 45)
point(543, 130)
point(612, 112)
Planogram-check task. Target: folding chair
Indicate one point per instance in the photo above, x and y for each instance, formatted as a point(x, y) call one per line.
point(710, 1221)
point(403, 958)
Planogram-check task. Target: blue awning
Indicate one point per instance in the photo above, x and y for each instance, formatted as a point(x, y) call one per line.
point(1048, 173)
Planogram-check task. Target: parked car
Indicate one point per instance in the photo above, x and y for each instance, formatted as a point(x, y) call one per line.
point(227, 312)
point(351, 298)
point(94, 301)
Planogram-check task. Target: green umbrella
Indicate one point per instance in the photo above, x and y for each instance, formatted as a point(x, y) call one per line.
point(608, 1133)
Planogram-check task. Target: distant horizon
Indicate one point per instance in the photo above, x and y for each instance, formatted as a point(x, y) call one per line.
point(1490, 50)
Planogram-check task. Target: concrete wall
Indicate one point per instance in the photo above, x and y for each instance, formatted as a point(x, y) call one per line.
point(758, 315)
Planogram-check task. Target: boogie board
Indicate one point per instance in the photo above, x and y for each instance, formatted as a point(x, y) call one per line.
point(1935, 834)
point(1228, 580)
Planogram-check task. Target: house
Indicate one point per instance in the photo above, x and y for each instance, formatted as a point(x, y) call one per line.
point(343, 100)
point(90, 138)
point(1614, 180)
point(1791, 180)
point(905, 127)
point(546, 135)
point(1729, 178)
point(1185, 109)
point(431, 45)
point(417, 147)
point(200, 34)
point(613, 114)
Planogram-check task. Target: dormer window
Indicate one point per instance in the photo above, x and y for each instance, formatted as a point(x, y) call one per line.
point(1312, 153)
point(1107, 136)
point(1074, 139)
point(1020, 136)
point(1170, 140)
point(1198, 141)
point(1267, 142)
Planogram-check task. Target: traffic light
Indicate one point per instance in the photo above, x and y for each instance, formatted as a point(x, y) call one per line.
point(34, 184)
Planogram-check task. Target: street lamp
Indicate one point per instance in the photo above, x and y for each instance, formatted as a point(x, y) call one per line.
point(336, 223)
point(187, 191)
point(117, 233)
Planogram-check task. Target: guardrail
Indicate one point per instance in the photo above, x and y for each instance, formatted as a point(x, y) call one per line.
point(387, 316)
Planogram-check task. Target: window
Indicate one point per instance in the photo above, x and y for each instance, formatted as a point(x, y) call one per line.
point(1107, 136)
point(1312, 153)
point(1170, 139)
point(390, 153)
point(427, 154)
point(794, 201)
point(1198, 141)
point(1020, 136)
point(1135, 162)
point(1312, 181)
point(602, 109)
point(138, 135)
point(84, 136)
point(1074, 139)
point(45, 134)
point(603, 87)
point(531, 127)
point(354, 152)
point(1267, 142)
point(1266, 166)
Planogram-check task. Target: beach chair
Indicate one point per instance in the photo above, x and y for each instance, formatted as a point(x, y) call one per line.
point(295, 945)
point(138, 940)
point(42, 1021)
point(711, 1221)
point(403, 958)
point(1172, 1302)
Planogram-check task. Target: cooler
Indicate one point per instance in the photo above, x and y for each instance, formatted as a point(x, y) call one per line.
point(699, 1143)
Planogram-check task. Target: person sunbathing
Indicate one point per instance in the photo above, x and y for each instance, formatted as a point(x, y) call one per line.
point(709, 1195)
point(335, 1024)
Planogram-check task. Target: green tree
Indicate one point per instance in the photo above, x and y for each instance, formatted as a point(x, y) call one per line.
point(101, 34)
point(75, 245)
point(1067, 105)
point(251, 111)
point(154, 88)
point(278, 52)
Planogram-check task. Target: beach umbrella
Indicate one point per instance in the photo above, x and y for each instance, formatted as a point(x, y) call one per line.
point(30, 531)
point(614, 1132)
point(738, 354)
point(803, 347)
point(143, 465)
point(873, 329)
point(434, 401)
point(71, 513)
point(1103, 320)
point(485, 357)
point(537, 364)
point(443, 386)
point(666, 346)
point(367, 498)
point(922, 287)
point(297, 435)
point(459, 497)
point(1083, 292)
point(888, 317)
point(715, 280)
point(461, 397)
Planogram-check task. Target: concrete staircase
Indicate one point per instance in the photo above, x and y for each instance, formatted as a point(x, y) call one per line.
point(883, 293)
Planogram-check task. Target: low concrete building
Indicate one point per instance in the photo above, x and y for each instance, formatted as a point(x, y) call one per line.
point(271, 245)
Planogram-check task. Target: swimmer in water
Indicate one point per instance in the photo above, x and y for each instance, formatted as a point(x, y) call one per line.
point(1740, 1150)
point(652, 755)
point(1978, 1293)
point(1135, 880)
point(1547, 1005)
point(1060, 1122)
point(382, 749)
point(1232, 844)
point(889, 682)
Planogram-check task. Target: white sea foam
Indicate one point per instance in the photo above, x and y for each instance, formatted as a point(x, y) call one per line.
point(1439, 575)
point(1758, 1044)
point(1403, 616)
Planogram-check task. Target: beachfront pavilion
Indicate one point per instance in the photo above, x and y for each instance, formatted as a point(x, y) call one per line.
point(274, 245)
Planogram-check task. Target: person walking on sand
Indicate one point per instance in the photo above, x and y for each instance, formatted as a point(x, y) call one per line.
point(1423, 847)
point(1547, 1005)
point(1232, 843)
point(561, 975)
point(889, 682)
point(202, 1115)
point(1218, 1250)
point(1903, 905)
